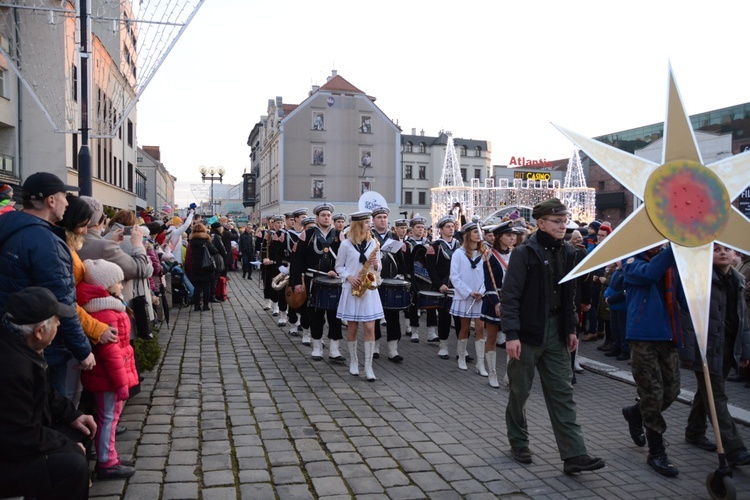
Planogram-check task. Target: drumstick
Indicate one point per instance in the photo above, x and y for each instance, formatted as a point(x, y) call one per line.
point(316, 271)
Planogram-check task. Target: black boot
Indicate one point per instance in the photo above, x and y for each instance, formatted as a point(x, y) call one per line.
point(657, 455)
point(632, 415)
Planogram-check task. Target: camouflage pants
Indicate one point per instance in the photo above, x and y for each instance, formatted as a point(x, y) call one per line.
point(656, 371)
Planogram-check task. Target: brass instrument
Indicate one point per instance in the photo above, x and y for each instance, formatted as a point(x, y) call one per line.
point(368, 280)
point(280, 282)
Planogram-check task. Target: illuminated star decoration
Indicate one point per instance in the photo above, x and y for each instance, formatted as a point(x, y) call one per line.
point(685, 202)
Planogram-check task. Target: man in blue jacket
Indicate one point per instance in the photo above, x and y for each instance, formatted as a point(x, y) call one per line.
point(653, 331)
point(34, 252)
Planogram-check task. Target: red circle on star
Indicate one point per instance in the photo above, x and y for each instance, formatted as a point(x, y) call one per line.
point(687, 203)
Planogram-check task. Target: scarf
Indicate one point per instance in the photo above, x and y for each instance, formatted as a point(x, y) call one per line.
point(361, 248)
point(474, 262)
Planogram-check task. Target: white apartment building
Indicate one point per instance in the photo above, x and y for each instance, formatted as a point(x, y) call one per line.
point(159, 182)
point(28, 142)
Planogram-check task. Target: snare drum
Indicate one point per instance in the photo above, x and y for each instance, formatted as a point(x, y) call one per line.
point(448, 298)
point(394, 294)
point(430, 300)
point(326, 292)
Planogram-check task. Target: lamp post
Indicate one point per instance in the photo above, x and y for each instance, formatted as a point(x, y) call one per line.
point(207, 174)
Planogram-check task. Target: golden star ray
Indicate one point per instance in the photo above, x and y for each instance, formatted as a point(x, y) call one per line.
point(679, 140)
point(737, 233)
point(635, 235)
point(695, 266)
point(626, 168)
point(731, 171)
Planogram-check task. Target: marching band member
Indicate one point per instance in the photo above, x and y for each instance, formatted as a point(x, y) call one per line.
point(393, 265)
point(358, 250)
point(495, 266)
point(418, 237)
point(261, 244)
point(277, 239)
point(316, 250)
point(298, 320)
point(438, 258)
point(291, 221)
point(339, 222)
point(467, 277)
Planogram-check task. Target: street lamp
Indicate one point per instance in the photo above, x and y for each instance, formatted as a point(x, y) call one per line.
point(207, 174)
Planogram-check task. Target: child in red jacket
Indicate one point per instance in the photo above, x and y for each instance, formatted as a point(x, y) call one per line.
point(115, 373)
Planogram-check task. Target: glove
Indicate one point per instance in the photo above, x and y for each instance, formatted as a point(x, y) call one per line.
point(122, 393)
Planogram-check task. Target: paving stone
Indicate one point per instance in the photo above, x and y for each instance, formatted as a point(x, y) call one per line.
point(180, 491)
point(292, 492)
point(254, 476)
point(183, 458)
point(181, 473)
point(224, 493)
point(218, 478)
point(287, 475)
point(331, 485)
point(140, 491)
point(391, 477)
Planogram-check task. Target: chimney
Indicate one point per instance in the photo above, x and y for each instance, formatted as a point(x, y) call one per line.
point(153, 152)
point(315, 88)
point(334, 73)
point(421, 132)
point(414, 131)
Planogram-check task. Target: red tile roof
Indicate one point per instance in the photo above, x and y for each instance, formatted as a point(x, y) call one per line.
point(288, 108)
point(339, 84)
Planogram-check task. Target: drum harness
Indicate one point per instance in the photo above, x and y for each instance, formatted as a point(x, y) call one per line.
point(391, 256)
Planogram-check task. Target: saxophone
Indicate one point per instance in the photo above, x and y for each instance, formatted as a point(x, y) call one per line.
point(368, 280)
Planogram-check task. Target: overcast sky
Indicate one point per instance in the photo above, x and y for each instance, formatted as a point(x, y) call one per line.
point(493, 70)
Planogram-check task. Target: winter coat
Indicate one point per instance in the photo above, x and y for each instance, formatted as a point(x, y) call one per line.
point(690, 354)
point(615, 292)
point(115, 362)
point(33, 252)
point(247, 244)
point(648, 317)
point(173, 239)
point(29, 406)
point(524, 303)
point(197, 242)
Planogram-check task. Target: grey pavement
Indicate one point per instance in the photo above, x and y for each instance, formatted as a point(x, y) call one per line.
point(237, 409)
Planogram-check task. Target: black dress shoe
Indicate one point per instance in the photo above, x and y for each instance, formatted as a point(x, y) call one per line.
point(120, 429)
point(376, 355)
point(396, 359)
point(212, 300)
point(661, 464)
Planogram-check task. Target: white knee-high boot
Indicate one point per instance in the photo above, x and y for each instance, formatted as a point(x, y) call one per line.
point(353, 361)
point(491, 358)
point(461, 351)
point(369, 351)
point(317, 352)
point(334, 354)
point(443, 352)
point(479, 346)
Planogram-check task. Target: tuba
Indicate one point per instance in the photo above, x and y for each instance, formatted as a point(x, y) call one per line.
point(368, 280)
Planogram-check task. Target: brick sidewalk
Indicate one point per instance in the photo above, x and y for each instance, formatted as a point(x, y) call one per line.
point(237, 409)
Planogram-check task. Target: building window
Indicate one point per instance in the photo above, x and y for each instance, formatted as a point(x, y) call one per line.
point(463, 174)
point(422, 196)
point(409, 147)
point(464, 150)
point(318, 155)
point(365, 125)
point(130, 133)
point(477, 173)
point(422, 147)
point(407, 171)
point(318, 120)
point(478, 152)
point(601, 185)
point(407, 198)
point(74, 82)
point(318, 188)
point(422, 172)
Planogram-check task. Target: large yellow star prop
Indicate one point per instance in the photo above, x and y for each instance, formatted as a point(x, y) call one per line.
point(685, 203)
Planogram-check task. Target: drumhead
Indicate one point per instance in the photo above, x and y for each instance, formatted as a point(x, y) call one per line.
point(396, 283)
point(328, 280)
point(431, 294)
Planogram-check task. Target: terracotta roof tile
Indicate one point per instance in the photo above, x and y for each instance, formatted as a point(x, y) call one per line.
point(339, 84)
point(288, 108)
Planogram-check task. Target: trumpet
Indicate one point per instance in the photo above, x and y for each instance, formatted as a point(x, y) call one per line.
point(280, 282)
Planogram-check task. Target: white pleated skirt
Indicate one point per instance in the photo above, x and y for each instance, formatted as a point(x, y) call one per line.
point(364, 308)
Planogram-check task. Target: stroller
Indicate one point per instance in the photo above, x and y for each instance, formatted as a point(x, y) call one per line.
point(182, 289)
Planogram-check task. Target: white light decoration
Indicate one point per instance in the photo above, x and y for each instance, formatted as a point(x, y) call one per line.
point(488, 199)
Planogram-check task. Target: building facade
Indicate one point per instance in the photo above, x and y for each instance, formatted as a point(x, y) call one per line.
point(29, 142)
point(332, 147)
point(159, 183)
point(422, 159)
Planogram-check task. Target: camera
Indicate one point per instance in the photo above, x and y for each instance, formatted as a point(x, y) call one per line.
point(127, 230)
